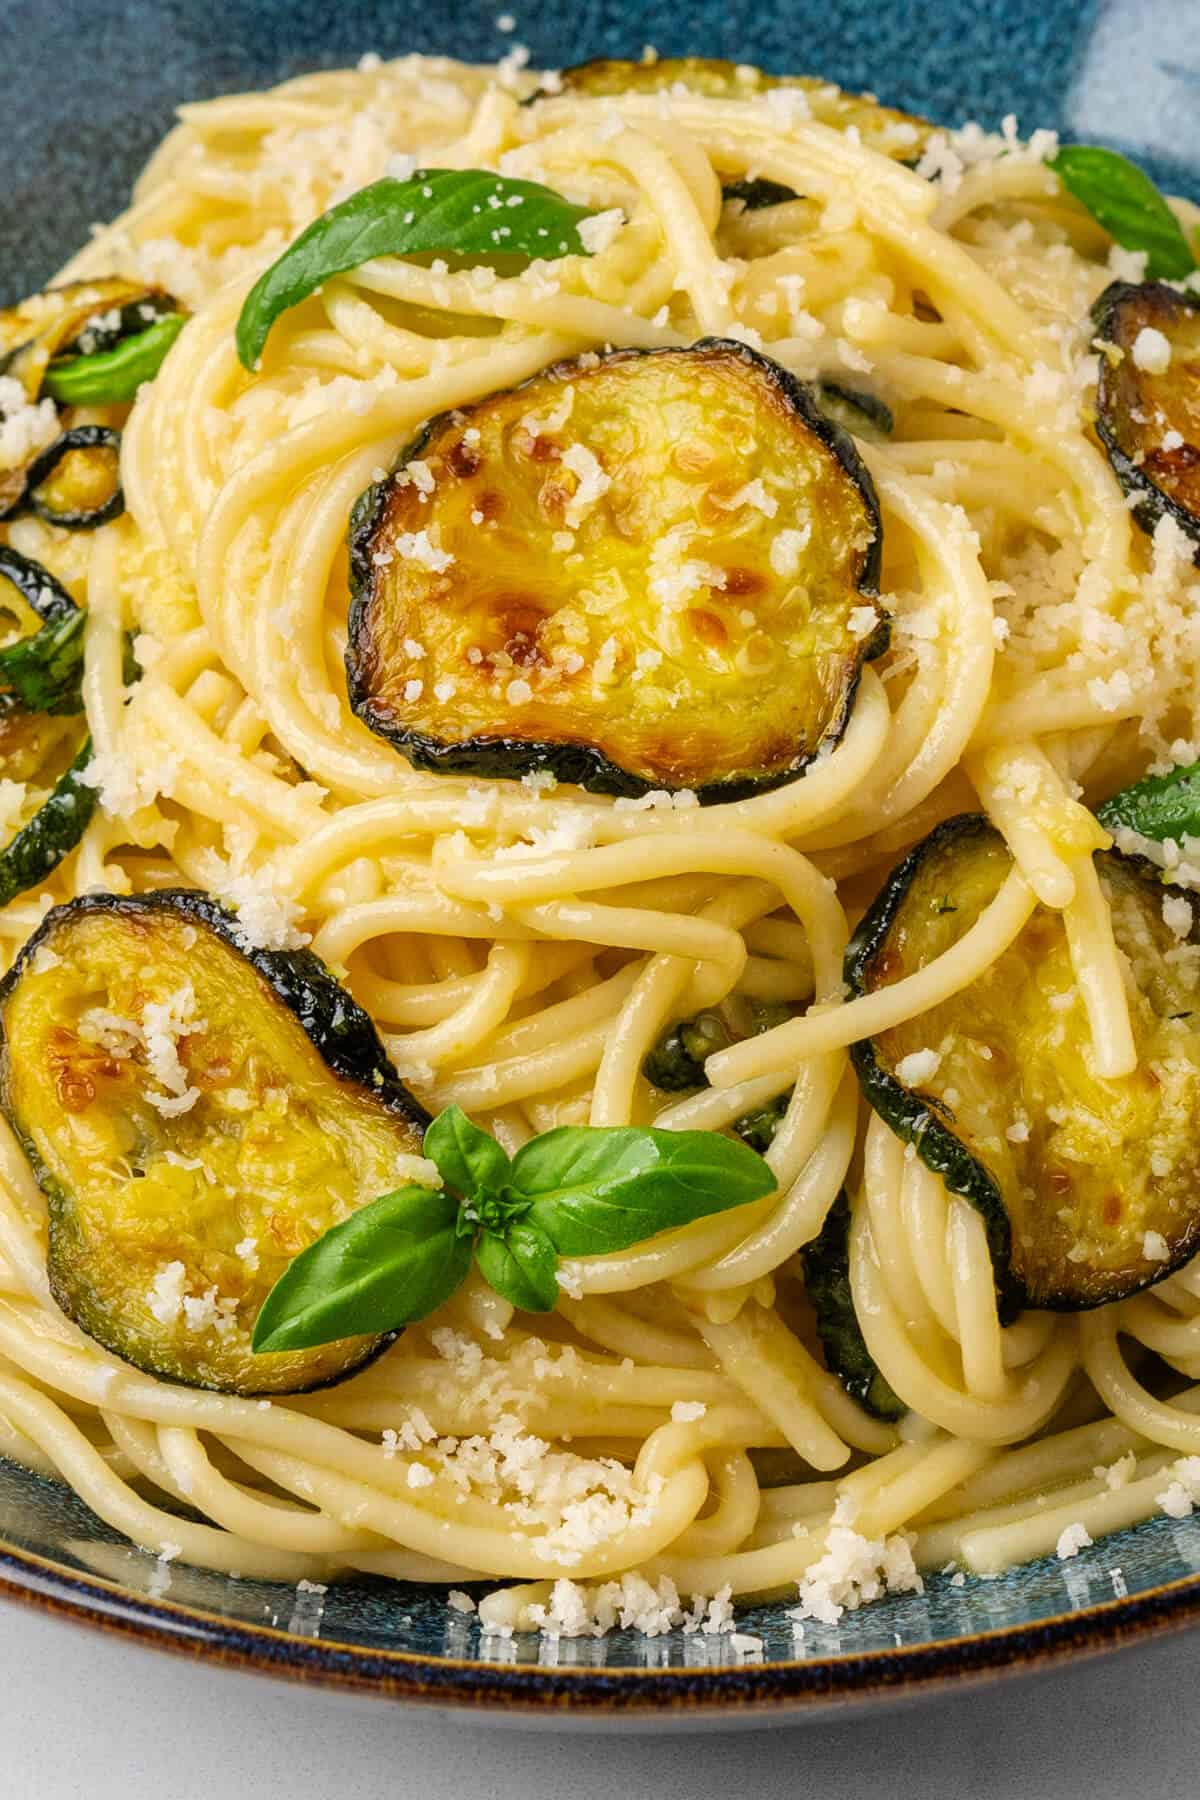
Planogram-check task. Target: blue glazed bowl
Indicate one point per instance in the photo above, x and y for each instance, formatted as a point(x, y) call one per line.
point(95, 94)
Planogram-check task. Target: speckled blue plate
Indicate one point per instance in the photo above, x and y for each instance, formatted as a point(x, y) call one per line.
point(91, 90)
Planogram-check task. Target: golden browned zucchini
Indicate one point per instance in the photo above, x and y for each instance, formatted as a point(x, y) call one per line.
point(639, 571)
point(198, 1111)
point(1089, 1187)
point(897, 134)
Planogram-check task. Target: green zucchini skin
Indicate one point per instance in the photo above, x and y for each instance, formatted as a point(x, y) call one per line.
point(856, 410)
point(36, 850)
point(337, 1028)
point(1150, 501)
point(912, 1120)
point(80, 437)
point(826, 1265)
point(581, 764)
point(758, 1128)
point(41, 591)
point(754, 195)
point(44, 670)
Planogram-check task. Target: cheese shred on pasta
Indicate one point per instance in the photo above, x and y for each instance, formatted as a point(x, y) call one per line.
point(666, 1441)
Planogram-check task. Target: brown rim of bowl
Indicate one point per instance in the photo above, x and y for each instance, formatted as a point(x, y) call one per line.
point(797, 1687)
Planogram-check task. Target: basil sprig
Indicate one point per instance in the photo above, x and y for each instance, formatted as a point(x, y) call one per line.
point(458, 212)
point(111, 377)
point(575, 1191)
point(1125, 201)
point(1158, 807)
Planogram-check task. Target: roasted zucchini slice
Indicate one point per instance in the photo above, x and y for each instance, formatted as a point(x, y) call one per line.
point(645, 570)
point(1089, 1187)
point(677, 1060)
point(76, 482)
point(826, 1266)
point(897, 134)
point(676, 1063)
point(44, 668)
point(1148, 399)
point(757, 194)
point(197, 1112)
point(758, 1128)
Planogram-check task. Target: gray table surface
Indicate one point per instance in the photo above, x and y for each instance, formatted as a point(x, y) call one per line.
point(81, 1716)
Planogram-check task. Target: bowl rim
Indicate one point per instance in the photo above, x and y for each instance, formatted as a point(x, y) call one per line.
point(530, 1692)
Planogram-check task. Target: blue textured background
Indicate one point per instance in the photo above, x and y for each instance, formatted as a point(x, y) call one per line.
point(90, 87)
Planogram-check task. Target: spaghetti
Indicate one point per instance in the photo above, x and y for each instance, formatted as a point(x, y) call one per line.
point(522, 946)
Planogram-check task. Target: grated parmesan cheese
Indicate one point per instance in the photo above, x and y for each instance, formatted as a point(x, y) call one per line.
point(417, 547)
point(1074, 1539)
point(918, 1066)
point(591, 480)
point(853, 1571)
point(598, 232)
point(1151, 351)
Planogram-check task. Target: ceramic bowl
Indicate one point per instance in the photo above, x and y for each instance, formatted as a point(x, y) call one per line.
point(96, 92)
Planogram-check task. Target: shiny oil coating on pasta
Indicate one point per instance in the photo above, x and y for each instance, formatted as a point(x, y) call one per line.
point(521, 948)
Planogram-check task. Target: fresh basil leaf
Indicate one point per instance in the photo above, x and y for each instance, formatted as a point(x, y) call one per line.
point(595, 1189)
point(461, 212)
point(1126, 202)
point(390, 1263)
point(1159, 807)
point(468, 1160)
point(522, 1266)
point(45, 669)
point(110, 377)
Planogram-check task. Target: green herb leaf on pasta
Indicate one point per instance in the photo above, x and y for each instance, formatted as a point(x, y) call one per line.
point(460, 212)
point(576, 1191)
point(394, 1261)
point(1158, 807)
point(594, 1190)
point(468, 1160)
point(1125, 201)
point(522, 1265)
point(111, 377)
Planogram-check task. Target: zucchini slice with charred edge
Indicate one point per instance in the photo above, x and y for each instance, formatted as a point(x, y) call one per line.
point(197, 1112)
point(43, 669)
point(857, 411)
point(897, 134)
point(1089, 1188)
point(644, 570)
point(757, 194)
point(826, 1266)
point(1148, 417)
point(76, 482)
point(675, 1064)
